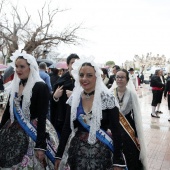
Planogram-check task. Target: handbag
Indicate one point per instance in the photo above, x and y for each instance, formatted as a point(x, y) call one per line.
point(13, 144)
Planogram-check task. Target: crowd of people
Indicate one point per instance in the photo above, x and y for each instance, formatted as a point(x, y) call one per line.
point(78, 119)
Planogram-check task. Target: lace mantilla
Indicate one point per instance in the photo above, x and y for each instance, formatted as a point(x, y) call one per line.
point(32, 79)
point(108, 101)
point(103, 98)
point(126, 103)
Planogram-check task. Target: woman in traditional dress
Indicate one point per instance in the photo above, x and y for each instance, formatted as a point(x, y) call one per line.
point(91, 107)
point(131, 122)
point(21, 145)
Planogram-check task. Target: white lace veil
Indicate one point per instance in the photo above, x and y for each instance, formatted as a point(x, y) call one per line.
point(32, 79)
point(138, 123)
point(130, 90)
point(97, 106)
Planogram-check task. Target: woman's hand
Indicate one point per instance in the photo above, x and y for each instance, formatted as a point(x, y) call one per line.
point(40, 155)
point(68, 92)
point(58, 93)
point(57, 163)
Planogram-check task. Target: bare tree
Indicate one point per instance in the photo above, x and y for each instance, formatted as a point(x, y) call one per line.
point(19, 31)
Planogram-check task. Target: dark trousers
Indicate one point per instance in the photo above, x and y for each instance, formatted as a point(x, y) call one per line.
point(160, 97)
point(157, 97)
point(168, 101)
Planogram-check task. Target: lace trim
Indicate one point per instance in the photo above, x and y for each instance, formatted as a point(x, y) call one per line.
point(127, 103)
point(27, 92)
point(107, 100)
point(103, 98)
point(131, 101)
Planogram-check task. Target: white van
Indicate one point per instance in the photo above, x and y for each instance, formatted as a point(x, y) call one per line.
point(149, 72)
point(147, 75)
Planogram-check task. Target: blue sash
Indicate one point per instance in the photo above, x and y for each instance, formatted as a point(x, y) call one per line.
point(31, 130)
point(101, 134)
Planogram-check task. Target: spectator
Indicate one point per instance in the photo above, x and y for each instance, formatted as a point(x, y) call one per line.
point(141, 78)
point(161, 92)
point(46, 78)
point(44, 75)
point(62, 90)
point(53, 77)
point(105, 76)
point(133, 77)
point(112, 77)
point(60, 72)
point(168, 76)
point(157, 87)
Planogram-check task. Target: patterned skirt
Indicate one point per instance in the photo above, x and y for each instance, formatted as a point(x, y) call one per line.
point(83, 156)
point(17, 150)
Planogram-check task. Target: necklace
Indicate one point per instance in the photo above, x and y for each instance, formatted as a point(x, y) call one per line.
point(23, 82)
point(87, 95)
point(120, 100)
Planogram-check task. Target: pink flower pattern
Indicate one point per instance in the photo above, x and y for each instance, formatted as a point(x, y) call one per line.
point(25, 161)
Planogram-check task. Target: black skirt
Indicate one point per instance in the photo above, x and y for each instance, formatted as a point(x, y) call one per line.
point(131, 152)
point(84, 156)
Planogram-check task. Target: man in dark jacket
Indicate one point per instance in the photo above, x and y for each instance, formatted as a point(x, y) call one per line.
point(62, 90)
point(54, 77)
point(157, 87)
point(112, 77)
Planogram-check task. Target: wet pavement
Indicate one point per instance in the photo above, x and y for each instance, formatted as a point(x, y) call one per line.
point(156, 130)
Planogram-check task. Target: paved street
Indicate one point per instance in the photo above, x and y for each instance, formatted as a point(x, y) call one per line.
point(157, 131)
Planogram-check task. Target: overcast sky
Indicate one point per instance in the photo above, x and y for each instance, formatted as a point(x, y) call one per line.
point(117, 29)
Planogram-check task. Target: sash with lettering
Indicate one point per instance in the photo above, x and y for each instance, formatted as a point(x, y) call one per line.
point(127, 127)
point(30, 129)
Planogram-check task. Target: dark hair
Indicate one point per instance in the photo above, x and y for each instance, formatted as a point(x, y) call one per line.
point(72, 56)
point(21, 57)
point(157, 71)
point(54, 70)
point(87, 64)
point(117, 67)
point(61, 69)
point(126, 72)
point(105, 72)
